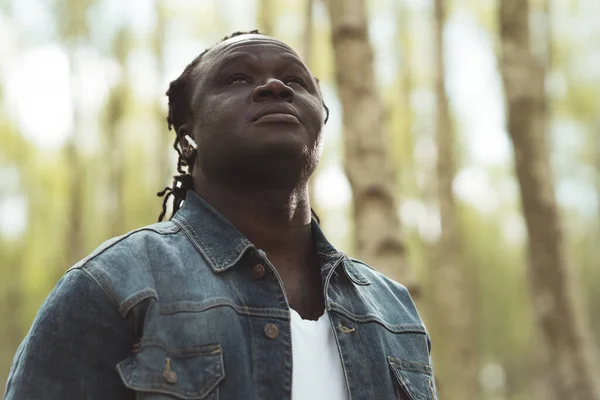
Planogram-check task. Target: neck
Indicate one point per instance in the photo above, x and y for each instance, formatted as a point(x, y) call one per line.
point(276, 221)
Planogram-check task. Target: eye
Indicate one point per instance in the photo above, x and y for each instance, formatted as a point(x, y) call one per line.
point(236, 79)
point(295, 80)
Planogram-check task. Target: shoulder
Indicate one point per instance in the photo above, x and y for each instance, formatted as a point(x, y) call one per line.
point(377, 278)
point(386, 290)
point(131, 243)
point(75, 324)
point(124, 266)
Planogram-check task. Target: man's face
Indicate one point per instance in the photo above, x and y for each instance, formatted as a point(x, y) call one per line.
point(257, 114)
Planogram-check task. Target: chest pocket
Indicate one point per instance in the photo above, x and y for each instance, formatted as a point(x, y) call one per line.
point(415, 380)
point(185, 373)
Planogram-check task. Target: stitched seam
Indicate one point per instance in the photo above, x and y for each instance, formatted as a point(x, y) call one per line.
point(130, 302)
point(411, 366)
point(254, 346)
point(202, 243)
point(181, 352)
point(337, 340)
point(253, 339)
point(237, 253)
point(204, 249)
point(356, 276)
point(191, 307)
point(191, 234)
point(361, 262)
point(103, 284)
point(403, 386)
point(286, 337)
point(430, 384)
point(86, 260)
point(365, 365)
point(163, 389)
point(396, 328)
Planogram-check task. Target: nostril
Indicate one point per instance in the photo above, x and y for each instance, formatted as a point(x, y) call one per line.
point(265, 93)
point(273, 89)
point(286, 93)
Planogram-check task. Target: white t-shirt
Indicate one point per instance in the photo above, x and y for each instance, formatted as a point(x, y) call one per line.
point(317, 371)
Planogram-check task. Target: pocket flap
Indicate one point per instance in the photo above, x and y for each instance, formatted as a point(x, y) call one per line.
point(186, 373)
point(415, 379)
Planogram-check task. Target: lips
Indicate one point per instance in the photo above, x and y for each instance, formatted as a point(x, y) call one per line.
point(276, 113)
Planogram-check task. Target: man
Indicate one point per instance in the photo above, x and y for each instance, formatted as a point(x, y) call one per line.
point(239, 295)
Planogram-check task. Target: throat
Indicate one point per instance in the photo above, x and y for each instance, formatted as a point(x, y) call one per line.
point(299, 267)
point(303, 288)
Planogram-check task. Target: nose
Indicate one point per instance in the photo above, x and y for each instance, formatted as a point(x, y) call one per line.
point(273, 89)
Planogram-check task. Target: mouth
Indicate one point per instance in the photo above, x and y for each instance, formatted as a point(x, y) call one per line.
point(278, 117)
point(277, 113)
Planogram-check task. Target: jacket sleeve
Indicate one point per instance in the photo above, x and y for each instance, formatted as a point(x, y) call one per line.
point(73, 346)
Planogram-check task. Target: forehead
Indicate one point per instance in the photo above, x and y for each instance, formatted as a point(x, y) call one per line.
point(251, 44)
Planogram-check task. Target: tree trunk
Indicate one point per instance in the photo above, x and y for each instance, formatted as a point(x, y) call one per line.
point(569, 353)
point(74, 232)
point(367, 161)
point(596, 147)
point(73, 30)
point(455, 356)
point(404, 113)
point(307, 33)
point(114, 144)
point(14, 298)
point(75, 215)
point(165, 137)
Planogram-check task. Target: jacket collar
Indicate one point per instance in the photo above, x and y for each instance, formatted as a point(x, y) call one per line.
point(222, 245)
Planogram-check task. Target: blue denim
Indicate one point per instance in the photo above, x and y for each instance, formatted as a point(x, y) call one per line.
point(177, 310)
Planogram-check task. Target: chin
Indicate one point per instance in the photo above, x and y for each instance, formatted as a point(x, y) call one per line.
point(274, 135)
point(286, 168)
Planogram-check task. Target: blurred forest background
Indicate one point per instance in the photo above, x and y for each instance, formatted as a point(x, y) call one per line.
point(462, 158)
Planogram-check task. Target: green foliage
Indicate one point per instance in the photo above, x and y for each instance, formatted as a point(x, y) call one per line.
point(130, 133)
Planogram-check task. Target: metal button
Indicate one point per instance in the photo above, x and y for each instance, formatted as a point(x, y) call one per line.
point(258, 271)
point(168, 374)
point(271, 331)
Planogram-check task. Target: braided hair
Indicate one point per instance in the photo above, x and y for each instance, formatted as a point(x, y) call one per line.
point(179, 94)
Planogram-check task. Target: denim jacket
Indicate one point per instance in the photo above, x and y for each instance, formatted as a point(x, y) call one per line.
point(190, 309)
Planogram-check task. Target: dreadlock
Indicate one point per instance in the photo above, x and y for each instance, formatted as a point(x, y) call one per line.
point(179, 94)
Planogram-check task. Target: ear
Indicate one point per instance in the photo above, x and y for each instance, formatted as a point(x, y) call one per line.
point(322, 100)
point(186, 142)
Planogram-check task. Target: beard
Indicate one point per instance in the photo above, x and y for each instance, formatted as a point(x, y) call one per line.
point(275, 165)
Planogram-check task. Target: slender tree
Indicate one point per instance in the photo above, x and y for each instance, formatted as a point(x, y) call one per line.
point(307, 32)
point(265, 16)
point(568, 349)
point(73, 31)
point(455, 354)
point(595, 134)
point(366, 159)
point(114, 146)
point(165, 138)
point(403, 112)
point(14, 150)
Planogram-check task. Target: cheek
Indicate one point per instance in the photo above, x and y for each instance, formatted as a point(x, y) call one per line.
point(219, 112)
point(315, 117)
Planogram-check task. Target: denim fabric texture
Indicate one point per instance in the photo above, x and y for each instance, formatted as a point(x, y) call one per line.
point(176, 310)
